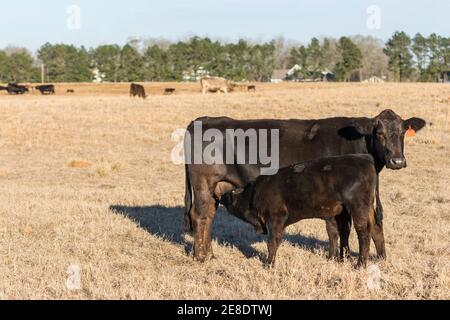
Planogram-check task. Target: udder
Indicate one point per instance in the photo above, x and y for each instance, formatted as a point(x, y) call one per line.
point(223, 188)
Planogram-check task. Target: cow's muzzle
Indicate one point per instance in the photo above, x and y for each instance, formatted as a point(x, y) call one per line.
point(396, 163)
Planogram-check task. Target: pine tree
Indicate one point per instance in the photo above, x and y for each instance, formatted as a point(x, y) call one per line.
point(400, 57)
point(350, 59)
point(421, 51)
point(107, 61)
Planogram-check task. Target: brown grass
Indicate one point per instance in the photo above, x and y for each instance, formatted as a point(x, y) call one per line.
point(119, 218)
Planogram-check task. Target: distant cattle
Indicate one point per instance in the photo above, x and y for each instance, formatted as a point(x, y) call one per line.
point(14, 89)
point(137, 90)
point(3, 88)
point(214, 84)
point(70, 91)
point(46, 89)
point(169, 91)
point(320, 189)
point(251, 88)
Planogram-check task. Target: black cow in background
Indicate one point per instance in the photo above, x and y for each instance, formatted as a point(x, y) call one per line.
point(299, 141)
point(14, 89)
point(137, 90)
point(46, 89)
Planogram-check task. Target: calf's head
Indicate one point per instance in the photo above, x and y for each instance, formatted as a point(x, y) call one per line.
point(388, 132)
point(234, 203)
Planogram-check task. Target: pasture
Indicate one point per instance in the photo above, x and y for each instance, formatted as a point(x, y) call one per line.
point(86, 179)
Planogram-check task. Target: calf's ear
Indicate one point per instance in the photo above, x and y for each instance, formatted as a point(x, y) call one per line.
point(414, 123)
point(364, 126)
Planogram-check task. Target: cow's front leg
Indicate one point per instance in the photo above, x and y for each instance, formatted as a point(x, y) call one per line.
point(378, 236)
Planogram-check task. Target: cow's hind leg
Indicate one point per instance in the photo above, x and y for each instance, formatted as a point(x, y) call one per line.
point(202, 215)
point(333, 235)
point(207, 233)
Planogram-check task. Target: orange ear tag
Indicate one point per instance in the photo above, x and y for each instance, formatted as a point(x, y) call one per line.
point(411, 132)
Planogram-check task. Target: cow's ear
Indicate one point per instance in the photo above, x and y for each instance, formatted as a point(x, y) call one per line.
point(364, 126)
point(414, 123)
point(237, 191)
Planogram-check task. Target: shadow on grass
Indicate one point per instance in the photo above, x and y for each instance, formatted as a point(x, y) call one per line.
point(227, 230)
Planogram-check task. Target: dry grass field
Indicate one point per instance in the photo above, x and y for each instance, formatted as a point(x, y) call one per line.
point(86, 179)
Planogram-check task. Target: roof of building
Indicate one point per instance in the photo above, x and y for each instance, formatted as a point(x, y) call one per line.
point(279, 73)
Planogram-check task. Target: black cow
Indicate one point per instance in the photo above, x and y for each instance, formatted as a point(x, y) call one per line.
point(137, 90)
point(316, 189)
point(299, 141)
point(3, 88)
point(169, 91)
point(251, 88)
point(14, 88)
point(46, 89)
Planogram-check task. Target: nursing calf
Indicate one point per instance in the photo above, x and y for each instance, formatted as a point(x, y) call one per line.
point(321, 189)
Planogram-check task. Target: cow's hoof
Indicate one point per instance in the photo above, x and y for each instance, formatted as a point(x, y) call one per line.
point(200, 259)
point(360, 265)
point(382, 257)
point(333, 258)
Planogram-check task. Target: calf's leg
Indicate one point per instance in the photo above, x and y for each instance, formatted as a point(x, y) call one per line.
point(333, 235)
point(275, 226)
point(361, 220)
point(344, 223)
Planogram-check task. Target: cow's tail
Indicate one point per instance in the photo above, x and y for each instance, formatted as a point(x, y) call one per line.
point(379, 215)
point(187, 225)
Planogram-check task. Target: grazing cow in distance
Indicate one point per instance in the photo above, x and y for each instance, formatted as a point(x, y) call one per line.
point(46, 89)
point(2, 88)
point(251, 88)
point(137, 90)
point(316, 189)
point(70, 91)
point(215, 84)
point(169, 91)
point(298, 141)
point(14, 89)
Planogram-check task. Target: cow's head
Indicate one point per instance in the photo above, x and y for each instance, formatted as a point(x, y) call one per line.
point(388, 137)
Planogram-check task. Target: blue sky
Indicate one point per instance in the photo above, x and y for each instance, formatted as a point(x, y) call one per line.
point(32, 23)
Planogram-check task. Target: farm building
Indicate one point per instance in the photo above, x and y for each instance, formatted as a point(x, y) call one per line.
point(295, 74)
point(195, 75)
point(279, 75)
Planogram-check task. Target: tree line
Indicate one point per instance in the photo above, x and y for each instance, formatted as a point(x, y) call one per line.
point(401, 58)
